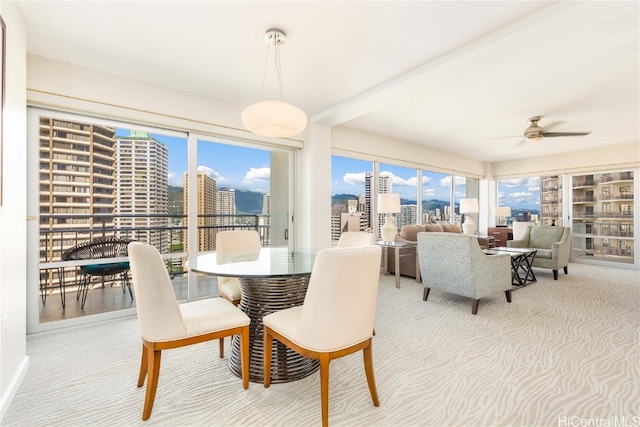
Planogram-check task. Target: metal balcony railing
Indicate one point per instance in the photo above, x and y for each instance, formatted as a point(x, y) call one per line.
point(168, 233)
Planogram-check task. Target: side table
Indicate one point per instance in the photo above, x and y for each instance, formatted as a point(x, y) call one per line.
point(397, 247)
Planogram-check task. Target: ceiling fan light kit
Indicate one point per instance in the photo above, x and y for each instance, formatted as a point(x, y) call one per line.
point(274, 118)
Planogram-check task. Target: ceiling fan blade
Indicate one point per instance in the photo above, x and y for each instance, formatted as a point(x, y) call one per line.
point(552, 134)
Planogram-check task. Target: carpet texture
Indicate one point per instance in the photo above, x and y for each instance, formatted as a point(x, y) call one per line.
point(562, 353)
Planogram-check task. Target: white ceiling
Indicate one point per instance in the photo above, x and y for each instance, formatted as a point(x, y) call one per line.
point(460, 76)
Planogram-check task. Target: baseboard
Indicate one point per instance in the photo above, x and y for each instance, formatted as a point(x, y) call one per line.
point(12, 389)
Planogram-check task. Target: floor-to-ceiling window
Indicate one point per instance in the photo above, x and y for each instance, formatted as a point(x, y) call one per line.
point(351, 192)
point(426, 196)
point(99, 180)
point(602, 217)
point(522, 196)
point(402, 181)
point(436, 198)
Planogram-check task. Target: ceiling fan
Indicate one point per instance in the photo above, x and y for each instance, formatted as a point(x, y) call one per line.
point(535, 133)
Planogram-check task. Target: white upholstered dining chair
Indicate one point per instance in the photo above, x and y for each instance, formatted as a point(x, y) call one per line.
point(234, 240)
point(355, 238)
point(336, 318)
point(165, 324)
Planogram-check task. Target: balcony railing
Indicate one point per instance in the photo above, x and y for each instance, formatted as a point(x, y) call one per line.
point(168, 233)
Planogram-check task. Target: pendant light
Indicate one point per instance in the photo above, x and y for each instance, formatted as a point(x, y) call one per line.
point(274, 118)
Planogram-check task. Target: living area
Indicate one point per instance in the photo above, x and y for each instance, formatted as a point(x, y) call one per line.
point(431, 86)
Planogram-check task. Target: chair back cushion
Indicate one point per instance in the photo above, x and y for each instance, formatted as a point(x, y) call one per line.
point(520, 229)
point(350, 239)
point(340, 304)
point(235, 240)
point(543, 236)
point(158, 311)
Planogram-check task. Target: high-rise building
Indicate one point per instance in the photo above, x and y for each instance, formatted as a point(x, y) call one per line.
point(76, 183)
point(264, 222)
point(141, 172)
point(226, 206)
point(551, 200)
point(206, 210)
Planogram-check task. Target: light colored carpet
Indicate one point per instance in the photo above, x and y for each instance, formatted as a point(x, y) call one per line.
point(563, 352)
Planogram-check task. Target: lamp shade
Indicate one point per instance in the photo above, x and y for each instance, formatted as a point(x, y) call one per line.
point(469, 206)
point(503, 211)
point(274, 119)
point(388, 203)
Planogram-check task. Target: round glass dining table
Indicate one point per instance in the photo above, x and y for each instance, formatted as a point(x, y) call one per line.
point(271, 279)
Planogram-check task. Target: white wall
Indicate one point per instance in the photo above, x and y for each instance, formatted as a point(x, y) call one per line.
point(13, 214)
point(624, 156)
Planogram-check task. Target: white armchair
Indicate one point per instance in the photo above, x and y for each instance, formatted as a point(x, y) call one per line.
point(455, 263)
point(553, 245)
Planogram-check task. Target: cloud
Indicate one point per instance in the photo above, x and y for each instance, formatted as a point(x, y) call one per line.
point(354, 178)
point(213, 174)
point(446, 181)
point(175, 179)
point(518, 182)
point(429, 192)
point(521, 195)
point(257, 175)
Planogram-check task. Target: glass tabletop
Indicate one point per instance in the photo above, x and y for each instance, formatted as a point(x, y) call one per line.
point(267, 262)
point(396, 244)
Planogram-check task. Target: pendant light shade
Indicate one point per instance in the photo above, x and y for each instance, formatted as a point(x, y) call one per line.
point(274, 118)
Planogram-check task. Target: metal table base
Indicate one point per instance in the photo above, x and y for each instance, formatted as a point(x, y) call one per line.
point(261, 296)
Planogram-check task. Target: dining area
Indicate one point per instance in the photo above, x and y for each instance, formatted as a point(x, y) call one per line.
point(297, 310)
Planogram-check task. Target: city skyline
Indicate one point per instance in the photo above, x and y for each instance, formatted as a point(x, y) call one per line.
point(232, 166)
point(248, 169)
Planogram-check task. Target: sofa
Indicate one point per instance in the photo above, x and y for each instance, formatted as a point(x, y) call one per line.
point(553, 246)
point(409, 233)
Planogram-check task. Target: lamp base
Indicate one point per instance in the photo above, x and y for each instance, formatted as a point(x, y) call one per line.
point(469, 228)
point(388, 231)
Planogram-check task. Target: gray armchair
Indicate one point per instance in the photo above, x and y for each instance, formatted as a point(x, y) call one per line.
point(553, 245)
point(455, 263)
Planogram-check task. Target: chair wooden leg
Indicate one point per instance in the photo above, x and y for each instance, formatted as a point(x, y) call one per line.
point(221, 347)
point(508, 295)
point(268, 343)
point(566, 269)
point(244, 356)
point(555, 274)
point(368, 369)
point(425, 294)
point(143, 367)
point(474, 306)
point(153, 360)
point(324, 388)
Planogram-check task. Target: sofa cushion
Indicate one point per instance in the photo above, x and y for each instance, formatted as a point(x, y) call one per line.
point(543, 254)
point(410, 232)
point(452, 228)
point(544, 237)
point(433, 227)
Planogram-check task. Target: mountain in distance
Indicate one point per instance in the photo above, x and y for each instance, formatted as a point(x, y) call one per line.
point(247, 202)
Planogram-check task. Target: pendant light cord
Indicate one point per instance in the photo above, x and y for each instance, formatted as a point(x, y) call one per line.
point(278, 68)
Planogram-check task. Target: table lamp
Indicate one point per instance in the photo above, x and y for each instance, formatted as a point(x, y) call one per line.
point(388, 204)
point(468, 206)
point(502, 213)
